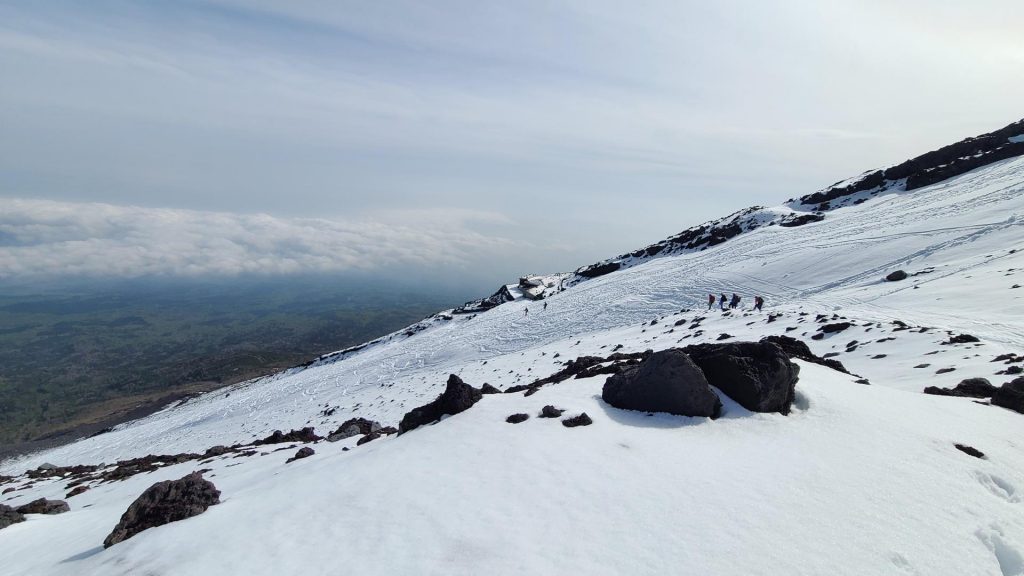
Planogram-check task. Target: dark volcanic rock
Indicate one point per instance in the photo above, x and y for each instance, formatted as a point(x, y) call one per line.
point(757, 375)
point(457, 397)
point(595, 270)
point(1010, 395)
point(836, 327)
point(9, 516)
point(969, 388)
point(304, 435)
point(798, 349)
point(667, 381)
point(488, 389)
point(896, 276)
point(304, 452)
point(581, 420)
point(969, 451)
point(550, 411)
point(353, 427)
point(76, 491)
point(44, 506)
point(517, 418)
point(961, 339)
point(165, 502)
point(368, 438)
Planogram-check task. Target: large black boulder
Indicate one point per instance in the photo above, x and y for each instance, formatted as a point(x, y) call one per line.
point(667, 381)
point(457, 397)
point(165, 502)
point(44, 506)
point(896, 276)
point(1011, 395)
point(9, 516)
point(757, 375)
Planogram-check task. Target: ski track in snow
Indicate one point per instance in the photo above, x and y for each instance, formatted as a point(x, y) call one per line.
point(852, 438)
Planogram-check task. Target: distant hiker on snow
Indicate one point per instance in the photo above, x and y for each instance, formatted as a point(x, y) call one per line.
point(758, 302)
point(545, 305)
point(722, 301)
point(711, 301)
point(526, 311)
point(735, 300)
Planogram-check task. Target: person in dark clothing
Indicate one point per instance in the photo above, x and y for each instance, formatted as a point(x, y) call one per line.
point(545, 305)
point(711, 301)
point(735, 300)
point(722, 301)
point(758, 302)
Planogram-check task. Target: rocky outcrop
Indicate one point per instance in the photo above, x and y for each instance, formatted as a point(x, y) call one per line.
point(489, 389)
point(457, 397)
point(667, 381)
point(581, 420)
point(9, 516)
point(550, 411)
point(304, 435)
point(353, 427)
point(757, 375)
point(44, 506)
point(165, 502)
point(896, 276)
point(1010, 395)
point(798, 349)
point(969, 388)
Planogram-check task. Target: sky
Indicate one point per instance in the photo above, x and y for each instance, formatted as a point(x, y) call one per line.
point(484, 139)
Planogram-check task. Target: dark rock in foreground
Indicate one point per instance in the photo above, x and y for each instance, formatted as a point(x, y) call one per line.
point(969, 388)
point(44, 506)
point(457, 397)
point(757, 375)
point(962, 339)
point(969, 451)
point(489, 389)
point(304, 452)
point(517, 418)
point(667, 381)
point(798, 349)
point(581, 420)
point(1010, 395)
point(165, 502)
point(9, 516)
point(896, 276)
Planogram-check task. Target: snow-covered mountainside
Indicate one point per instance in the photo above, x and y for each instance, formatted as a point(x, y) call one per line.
point(856, 479)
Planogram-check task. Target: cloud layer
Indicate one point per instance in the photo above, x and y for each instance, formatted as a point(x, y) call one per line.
point(48, 238)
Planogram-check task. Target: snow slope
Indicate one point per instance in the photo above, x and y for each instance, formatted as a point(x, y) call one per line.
point(859, 480)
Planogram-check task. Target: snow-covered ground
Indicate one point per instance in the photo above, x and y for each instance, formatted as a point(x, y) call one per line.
point(858, 480)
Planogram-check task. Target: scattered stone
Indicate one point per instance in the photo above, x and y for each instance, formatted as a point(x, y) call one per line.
point(353, 427)
point(1011, 370)
point(970, 451)
point(214, 451)
point(818, 336)
point(488, 389)
point(925, 365)
point(757, 375)
point(896, 276)
point(550, 411)
point(667, 381)
point(944, 370)
point(581, 420)
point(863, 381)
point(457, 397)
point(44, 506)
point(368, 438)
point(517, 418)
point(878, 356)
point(961, 339)
point(9, 516)
point(969, 388)
point(831, 355)
point(165, 502)
point(835, 327)
point(76, 491)
point(304, 452)
point(723, 336)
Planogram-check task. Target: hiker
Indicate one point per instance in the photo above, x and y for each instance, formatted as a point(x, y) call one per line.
point(545, 305)
point(526, 311)
point(735, 300)
point(711, 301)
point(722, 301)
point(758, 302)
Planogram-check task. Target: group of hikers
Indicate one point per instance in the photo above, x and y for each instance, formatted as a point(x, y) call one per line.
point(733, 302)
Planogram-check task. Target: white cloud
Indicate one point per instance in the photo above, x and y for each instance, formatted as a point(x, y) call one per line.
point(48, 238)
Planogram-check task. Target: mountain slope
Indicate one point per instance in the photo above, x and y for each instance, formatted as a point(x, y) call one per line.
point(857, 480)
